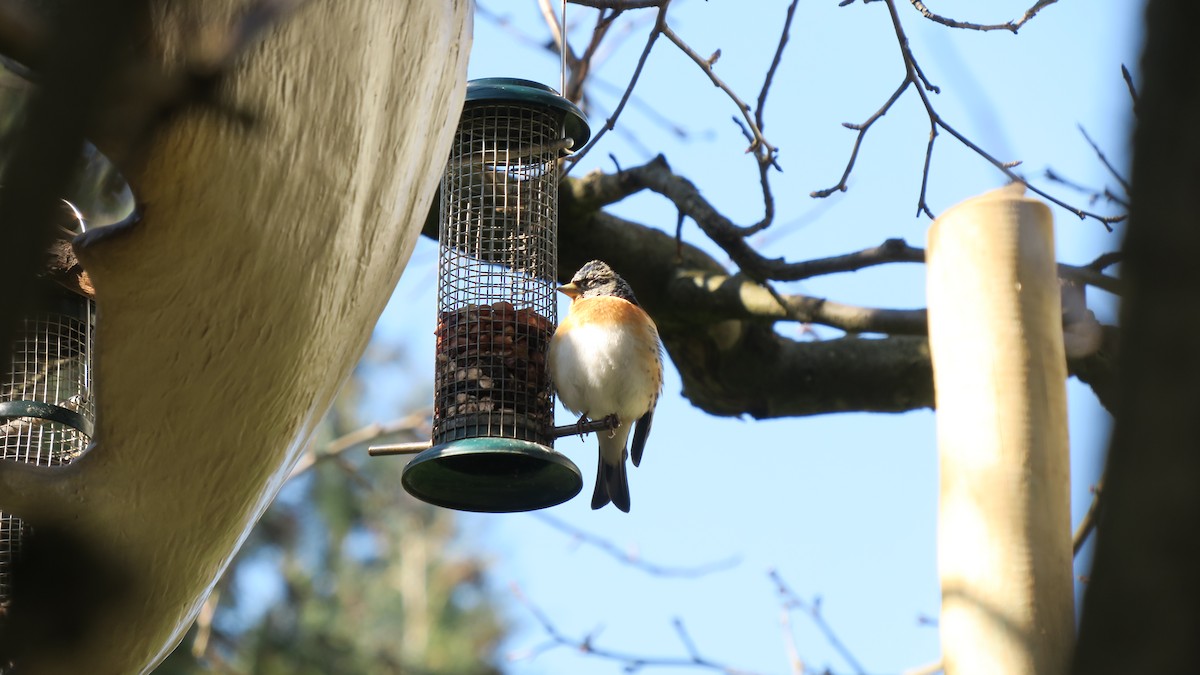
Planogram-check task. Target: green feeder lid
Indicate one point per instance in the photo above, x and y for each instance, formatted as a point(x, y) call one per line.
point(492, 475)
point(516, 90)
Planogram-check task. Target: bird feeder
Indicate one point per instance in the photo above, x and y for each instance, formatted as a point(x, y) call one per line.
point(46, 404)
point(493, 421)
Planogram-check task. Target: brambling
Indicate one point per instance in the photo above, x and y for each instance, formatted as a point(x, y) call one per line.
point(606, 360)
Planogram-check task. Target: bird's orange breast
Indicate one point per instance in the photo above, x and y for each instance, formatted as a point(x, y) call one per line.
point(604, 311)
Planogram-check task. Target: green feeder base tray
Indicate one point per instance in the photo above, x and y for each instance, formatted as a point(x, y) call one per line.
point(492, 475)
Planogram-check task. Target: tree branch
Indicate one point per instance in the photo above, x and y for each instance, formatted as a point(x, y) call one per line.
point(791, 602)
point(734, 362)
point(598, 189)
point(1011, 26)
point(630, 558)
point(915, 76)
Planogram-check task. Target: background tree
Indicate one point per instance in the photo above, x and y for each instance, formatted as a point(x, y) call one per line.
point(740, 324)
point(739, 330)
point(739, 308)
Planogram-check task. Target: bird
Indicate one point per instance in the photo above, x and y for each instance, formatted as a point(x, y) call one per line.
point(605, 360)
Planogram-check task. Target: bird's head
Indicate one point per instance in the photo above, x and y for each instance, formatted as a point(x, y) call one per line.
point(596, 279)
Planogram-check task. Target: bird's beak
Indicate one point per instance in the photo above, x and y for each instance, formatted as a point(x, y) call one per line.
point(570, 290)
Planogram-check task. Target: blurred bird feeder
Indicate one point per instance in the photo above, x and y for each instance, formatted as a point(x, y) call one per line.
point(46, 404)
point(493, 422)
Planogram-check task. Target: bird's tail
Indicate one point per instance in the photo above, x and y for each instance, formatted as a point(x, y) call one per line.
point(612, 484)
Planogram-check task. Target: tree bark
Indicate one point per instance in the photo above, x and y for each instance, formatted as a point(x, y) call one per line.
point(1141, 613)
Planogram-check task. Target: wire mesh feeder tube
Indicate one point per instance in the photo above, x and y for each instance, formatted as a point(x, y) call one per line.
point(46, 405)
point(493, 424)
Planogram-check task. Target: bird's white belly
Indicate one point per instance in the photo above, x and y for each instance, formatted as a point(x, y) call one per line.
point(594, 372)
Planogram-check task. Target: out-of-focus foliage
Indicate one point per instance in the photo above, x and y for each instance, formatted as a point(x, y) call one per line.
point(347, 574)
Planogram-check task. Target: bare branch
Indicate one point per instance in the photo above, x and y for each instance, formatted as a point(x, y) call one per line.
point(751, 367)
point(770, 77)
point(1104, 160)
point(357, 438)
point(632, 559)
point(922, 204)
point(760, 143)
point(1011, 26)
point(731, 297)
point(913, 73)
point(631, 663)
point(657, 176)
point(1094, 194)
point(609, 123)
point(915, 76)
point(767, 160)
point(789, 641)
point(862, 130)
point(1105, 261)
point(791, 602)
point(621, 4)
point(1129, 83)
point(1088, 524)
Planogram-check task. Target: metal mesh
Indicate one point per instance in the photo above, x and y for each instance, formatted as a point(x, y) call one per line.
point(46, 404)
point(497, 260)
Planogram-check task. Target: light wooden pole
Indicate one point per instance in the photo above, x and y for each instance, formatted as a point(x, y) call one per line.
point(1004, 528)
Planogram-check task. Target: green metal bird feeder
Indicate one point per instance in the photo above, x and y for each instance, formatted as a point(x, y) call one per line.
point(493, 420)
point(47, 409)
point(47, 398)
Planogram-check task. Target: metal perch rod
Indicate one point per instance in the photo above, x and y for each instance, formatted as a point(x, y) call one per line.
point(414, 447)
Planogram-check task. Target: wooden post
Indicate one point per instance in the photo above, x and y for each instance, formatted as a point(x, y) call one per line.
point(1004, 517)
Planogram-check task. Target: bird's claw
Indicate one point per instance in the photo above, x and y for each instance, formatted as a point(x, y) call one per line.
point(613, 422)
point(579, 426)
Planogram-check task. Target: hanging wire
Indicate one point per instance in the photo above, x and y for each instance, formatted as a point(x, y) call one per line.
point(563, 48)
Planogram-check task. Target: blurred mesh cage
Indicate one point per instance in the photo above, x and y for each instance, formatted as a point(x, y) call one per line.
point(497, 263)
point(47, 409)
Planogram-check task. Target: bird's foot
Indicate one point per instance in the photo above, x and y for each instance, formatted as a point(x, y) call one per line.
point(613, 422)
point(579, 426)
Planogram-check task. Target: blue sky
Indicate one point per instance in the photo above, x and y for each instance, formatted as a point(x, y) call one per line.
point(843, 506)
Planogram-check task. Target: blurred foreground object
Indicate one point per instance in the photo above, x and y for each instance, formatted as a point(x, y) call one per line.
point(231, 312)
point(1004, 516)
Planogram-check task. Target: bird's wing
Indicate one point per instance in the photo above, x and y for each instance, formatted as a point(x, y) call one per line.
point(640, 431)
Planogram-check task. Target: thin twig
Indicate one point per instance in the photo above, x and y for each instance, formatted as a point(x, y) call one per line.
point(204, 625)
point(631, 663)
point(656, 175)
point(791, 601)
point(789, 642)
point(573, 161)
point(620, 4)
point(911, 68)
point(1088, 524)
point(760, 143)
point(1011, 26)
point(922, 203)
point(632, 559)
point(1104, 160)
point(862, 130)
point(1105, 260)
point(1129, 83)
point(1094, 195)
point(333, 449)
point(915, 76)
